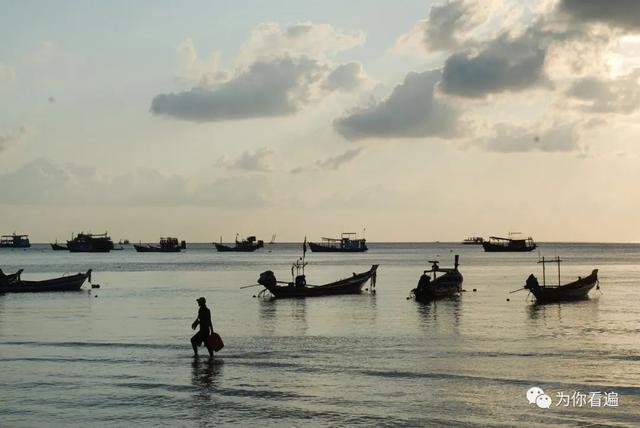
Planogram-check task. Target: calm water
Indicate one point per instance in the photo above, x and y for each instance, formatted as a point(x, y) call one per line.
point(120, 355)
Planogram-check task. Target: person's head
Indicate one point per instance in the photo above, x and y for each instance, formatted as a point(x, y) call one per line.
point(201, 301)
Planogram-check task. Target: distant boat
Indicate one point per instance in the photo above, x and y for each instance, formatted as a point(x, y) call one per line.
point(300, 288)
point(63, 283)
point(90, 243)
point(576, 290)
point(14, 241)
point(497, 244)
point(473, 240)
point(123, 242)
point(166, 245)
point(439, 282)
point(59, 247)
point(344, 244)
point(273, 239)
point(246, 245)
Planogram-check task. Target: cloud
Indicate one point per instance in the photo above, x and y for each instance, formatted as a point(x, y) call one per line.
point(336, 162)
point(12, 137)
point(411, 111)
point(45, 183)
point(277, 87)
point(346, 77)
point(623, 14)
point(7, 73)
point(504, 64)
point(543, 138)
point(604, 95)
point(448, 26)
point(250, 160)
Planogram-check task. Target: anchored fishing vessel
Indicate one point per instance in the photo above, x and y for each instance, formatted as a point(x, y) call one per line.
point(473, 240)
point(439, 282)
point(166, 245)
point(347, 243)
point(14, 241)
point(497, 244)
point(90, 243)
point(246, 245)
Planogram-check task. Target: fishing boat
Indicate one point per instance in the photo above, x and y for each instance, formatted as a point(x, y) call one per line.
point(63, 283)
point(347, 243)
point(14, 241)
point(246, 245)
point(90, 243)
point(299, 287)
point(439, 282)
point(59, 247)
point(473, 240)
point(576, 290)
point(166, 245)
point(497, 244)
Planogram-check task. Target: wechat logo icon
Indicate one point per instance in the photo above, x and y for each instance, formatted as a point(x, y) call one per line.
point(536, 395)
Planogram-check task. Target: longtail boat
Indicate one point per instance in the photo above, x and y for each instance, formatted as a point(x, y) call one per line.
point(11, 278)
point(63, 283)
point(576, 290)
point(439, 282)
point(167, 245)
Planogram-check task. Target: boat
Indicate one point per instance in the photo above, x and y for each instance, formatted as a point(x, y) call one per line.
point(576, 290)
point(299, 287)
point(14, 241)
point(63, 283)
point(246, 245)
point(123, 242)
point(496, 244)
point(166, 245)
point(11, 278)
point(90, 243)
point(473, 240)
point(59, 247)
point(273, 239)
point(347, 243)
point(439, 282)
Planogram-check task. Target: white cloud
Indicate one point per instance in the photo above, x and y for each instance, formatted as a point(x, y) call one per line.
point(602, 95)
point(555, 137)
point(346, 77)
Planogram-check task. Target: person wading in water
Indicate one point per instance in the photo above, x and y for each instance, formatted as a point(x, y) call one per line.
point(206, 327)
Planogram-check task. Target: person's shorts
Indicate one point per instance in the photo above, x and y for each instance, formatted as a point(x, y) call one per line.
point(200, 337)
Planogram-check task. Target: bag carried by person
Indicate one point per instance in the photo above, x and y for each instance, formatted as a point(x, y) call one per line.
point(215, 341)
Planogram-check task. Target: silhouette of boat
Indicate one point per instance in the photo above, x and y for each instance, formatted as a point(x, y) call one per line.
point(473, 240)
point(63, 283)
point(167, 245)
point(246, 245)
point(431, 286)
point(59, 247)
point(497, 244)
point(11, 278)
point(300, 288)
point(14, 241)
point(576, 290)
point(344, 244)
point(90, 243)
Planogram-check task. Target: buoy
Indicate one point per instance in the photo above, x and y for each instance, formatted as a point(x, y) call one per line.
point(254, 295)
point(96, 296)
point(508, 300)
point(474, 290)
point(464, 291)
point(95, 285)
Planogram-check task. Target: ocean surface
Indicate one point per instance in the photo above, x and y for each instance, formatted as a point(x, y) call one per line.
point(120, 355)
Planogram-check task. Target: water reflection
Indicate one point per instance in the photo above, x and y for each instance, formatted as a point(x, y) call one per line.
point(291, 309)
point(441, 314)
point(204, 371)
point(553, 312)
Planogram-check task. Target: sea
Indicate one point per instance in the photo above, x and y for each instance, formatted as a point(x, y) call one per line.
point(119, 355)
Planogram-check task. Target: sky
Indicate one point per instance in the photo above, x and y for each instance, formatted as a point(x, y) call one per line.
point(414, 120)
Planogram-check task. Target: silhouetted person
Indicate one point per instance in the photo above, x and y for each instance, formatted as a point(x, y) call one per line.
point(206, 327)
point(532, 283)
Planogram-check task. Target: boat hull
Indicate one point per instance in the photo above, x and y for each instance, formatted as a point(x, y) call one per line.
point(577, 290)
point(238, 248)
point(152, 249)
point(319, 248)
point(497, 248)
point(352, 285)
point(64, 283)
point(58, 247)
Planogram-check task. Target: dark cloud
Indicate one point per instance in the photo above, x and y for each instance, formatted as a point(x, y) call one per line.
point(411, 111)
point(276, 87)
point(503, 64)
point(345, 77)
point(623, 14)
point(597, 95)
point(553, 138)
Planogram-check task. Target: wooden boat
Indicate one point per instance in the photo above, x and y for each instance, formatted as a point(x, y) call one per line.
point(473, 240)
point(11, 278)
point(300, 288)
point(246, 245)
point(90, 243)
point(497, 244)
point(166, 245)
point(59, 247)
point(344, 244)
point(439, 282)
point(64, 283)
point(576, 290)
point(14, 241)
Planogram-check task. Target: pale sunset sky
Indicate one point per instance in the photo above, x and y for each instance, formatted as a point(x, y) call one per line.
point(417, 120)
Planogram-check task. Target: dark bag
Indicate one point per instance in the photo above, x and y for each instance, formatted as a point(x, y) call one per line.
point(215, 342)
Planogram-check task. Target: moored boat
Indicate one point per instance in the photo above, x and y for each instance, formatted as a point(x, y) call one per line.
point(59, 247)
point(166, 245)
point(496, 244)
point(439, 282)
point(246, 245)
point(347, 243)
point(576, 290)
point(473, 240)
point(14, 241)
point(90, 243)
point(11, 278)
point(63, 283)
